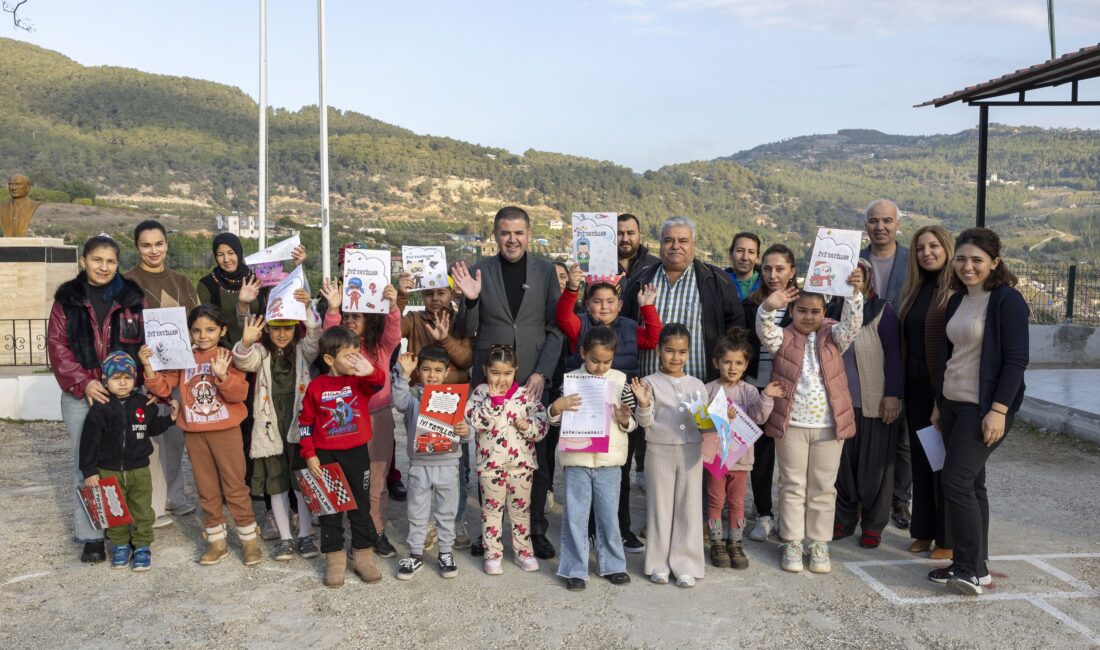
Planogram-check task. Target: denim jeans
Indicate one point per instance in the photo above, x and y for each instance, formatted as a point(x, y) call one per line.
point(73, 412)
point(584, 488)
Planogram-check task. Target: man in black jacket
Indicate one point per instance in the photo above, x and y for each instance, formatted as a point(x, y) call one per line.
point(634, 257)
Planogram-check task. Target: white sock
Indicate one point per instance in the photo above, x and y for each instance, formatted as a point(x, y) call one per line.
point(305, 518)
point(280, 508)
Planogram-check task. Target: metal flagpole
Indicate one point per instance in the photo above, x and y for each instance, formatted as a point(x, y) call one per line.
point(326, 265)
point(1050, 27)
point(261, 194)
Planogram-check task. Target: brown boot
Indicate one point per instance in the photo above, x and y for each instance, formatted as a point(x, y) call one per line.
point(364, 565)
point(250, 544)
point(216, 546)
point(941, 554)
point(336, 565)
point(719, 556)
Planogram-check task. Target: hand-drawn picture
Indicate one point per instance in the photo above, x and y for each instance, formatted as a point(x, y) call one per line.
point(427, 264)
point(595, 246)
point(281, 303)
point(834, 257)
point(366, 274)
point(167, 336)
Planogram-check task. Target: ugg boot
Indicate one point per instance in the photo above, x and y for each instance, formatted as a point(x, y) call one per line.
point(364, 564)
point(336, 565)
point(250, 544)
point(216, 546)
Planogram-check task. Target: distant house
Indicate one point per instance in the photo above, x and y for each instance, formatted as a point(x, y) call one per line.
point(243, 227)
point(374, 230)
point(555, 224)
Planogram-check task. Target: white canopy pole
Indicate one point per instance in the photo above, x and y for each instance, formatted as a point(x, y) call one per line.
point(261, 183)
point(326, 265)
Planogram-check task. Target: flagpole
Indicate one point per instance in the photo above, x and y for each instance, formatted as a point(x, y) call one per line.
point(326, 265)
point(261, 183)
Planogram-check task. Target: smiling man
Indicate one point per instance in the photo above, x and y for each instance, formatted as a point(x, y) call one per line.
point(163, 288)
point(634, 257)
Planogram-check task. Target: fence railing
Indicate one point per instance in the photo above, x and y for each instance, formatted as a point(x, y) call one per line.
point(1061, 293)
point(23, 342)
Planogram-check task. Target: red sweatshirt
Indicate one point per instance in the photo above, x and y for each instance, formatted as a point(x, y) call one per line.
point(649, 330)
point(335, 414)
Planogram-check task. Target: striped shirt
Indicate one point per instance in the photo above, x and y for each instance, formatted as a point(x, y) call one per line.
point(678, 303)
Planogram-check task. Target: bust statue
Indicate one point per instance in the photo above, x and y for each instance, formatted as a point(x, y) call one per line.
point(15, 214)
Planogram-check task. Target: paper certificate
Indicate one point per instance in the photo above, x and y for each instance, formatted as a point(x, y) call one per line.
point(835, 255)
point(592, 418)
point(366, 274)
point(932, 441)
point(276, 252)
point(167, 336)
point(427, 264)
point(595, 246)
point(281, 303)
point(441, 408)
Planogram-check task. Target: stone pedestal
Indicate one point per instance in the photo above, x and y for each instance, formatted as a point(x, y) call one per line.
point(31, 268)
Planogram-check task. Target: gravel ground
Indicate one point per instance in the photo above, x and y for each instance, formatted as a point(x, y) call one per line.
point(1043, 489)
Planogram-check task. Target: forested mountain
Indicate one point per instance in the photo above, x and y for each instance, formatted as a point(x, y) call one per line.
point(134, 138)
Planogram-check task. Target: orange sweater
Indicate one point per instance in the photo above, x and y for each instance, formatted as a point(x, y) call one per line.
point(209, 404)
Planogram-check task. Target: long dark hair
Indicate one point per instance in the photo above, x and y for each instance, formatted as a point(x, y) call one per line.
point(761, 293)
point(990, 243)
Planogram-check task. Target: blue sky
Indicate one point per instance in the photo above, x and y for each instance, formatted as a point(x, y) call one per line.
point(640, 82)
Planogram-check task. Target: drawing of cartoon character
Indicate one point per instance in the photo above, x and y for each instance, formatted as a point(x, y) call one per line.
point(583, 254)
point(341, 414)
point(822, 274)
point(417, 271)
point(206, 397)
point(275, 308)
point(354, 290)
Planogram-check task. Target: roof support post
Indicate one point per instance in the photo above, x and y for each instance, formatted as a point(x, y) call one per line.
point(983, 150)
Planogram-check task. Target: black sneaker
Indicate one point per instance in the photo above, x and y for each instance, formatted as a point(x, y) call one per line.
point(306, 547)
point(575, 584)
point(477, 549)
point(397, 491)
point(408, 566)
point(447, 566)
point(617, 578)
point(93, 552)
point(943, 574)
point(631, 543)
point(962, 583)
point(383, 547)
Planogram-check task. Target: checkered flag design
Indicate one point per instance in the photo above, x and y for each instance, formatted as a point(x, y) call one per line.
point(336, 488)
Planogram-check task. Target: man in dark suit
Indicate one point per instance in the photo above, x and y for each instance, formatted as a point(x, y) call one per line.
point(511, 298)
point(890, 263)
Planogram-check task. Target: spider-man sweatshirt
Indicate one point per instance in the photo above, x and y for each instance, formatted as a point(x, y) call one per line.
point(335, 413)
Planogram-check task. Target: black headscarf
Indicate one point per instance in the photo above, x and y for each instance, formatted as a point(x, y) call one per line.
point(231, 281)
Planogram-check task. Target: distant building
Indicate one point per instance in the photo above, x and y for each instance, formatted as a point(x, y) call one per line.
point(243, 227)
point(555, 224)
point(374, 230)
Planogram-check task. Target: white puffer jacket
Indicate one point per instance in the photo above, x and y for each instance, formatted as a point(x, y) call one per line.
point(619, 441)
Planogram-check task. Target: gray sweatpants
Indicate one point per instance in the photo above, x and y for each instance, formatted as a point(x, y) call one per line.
point(432, 488)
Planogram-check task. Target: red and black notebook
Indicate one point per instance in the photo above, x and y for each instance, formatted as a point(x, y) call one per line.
point(104, 504)
point(441, 407)
point(328, 495)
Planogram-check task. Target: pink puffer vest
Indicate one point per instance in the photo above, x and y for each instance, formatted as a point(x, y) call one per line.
point(786, 367)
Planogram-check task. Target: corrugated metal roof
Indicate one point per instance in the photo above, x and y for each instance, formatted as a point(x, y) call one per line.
point(1076, 66)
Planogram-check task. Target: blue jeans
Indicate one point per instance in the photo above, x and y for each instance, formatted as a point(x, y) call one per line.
point(585, 488)
point(73, 412)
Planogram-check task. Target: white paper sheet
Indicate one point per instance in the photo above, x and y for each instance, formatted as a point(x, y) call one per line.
point(932, 441)
point(427, 264)
point(366, 274)
point(167, 336)
point(594, 242)
point(835, 255)
point(591, 419)
point(281, 304)
point(276, 252)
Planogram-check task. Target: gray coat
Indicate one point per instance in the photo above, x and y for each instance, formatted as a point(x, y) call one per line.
point(897, 275)
point(534, 333)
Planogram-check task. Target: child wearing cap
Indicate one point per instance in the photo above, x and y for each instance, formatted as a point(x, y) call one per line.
point(115, 442)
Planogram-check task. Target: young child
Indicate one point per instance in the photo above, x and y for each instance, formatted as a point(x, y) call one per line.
point(335, 427)
point(213, 394)
point(379, 335)
point(865, 480)
point(116, 441)
point(731, 357)
point(674, 466)
point(433, 477)
point(280, 357)
point(592, 479)
point(810, 423)
point(507, 424)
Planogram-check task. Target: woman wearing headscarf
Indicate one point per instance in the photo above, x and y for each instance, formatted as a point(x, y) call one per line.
point(230, 286)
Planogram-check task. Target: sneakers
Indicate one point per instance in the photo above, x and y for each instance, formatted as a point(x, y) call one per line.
point(408, 566)
point(397, 490)
point(269, 532)
point(685, 581)
point(528, 564)
point(143, 559)
point(659, 577)
point(901, 516)
point(964, 584)
point(944, 574)
point(792, 557)
point(619, 578)
point(284, 551)
point(462, 537)
point(737, 556)
point(93, 552)
point(575, 584)
point(163, 520)
point(120, 556)
point(764, 528)
point(383, 547)
point(719, 556)
point(307, 548)
point(184, 510)
point(631, 543)
point(493, 567)
point(447, 566)
point(819, 557)
point(870, 539)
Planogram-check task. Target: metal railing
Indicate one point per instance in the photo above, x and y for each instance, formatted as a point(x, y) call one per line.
point(23, 342)
point(1061, 293)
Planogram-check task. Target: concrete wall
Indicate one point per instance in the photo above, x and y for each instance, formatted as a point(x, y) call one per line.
point(30, 397)
point(1064, 344)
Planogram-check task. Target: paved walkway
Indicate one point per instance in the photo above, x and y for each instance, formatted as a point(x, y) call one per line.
point(1064, 400)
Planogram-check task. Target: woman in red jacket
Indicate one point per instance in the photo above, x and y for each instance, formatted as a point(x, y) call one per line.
point(95, 313)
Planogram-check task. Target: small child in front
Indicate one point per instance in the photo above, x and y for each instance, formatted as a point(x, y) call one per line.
point(433, 477)
point(593, 478)
point(116, 442)
point(508, 424)
point(335, 427)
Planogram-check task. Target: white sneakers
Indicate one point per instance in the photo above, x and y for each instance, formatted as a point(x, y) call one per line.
point(792, 556)
point(763, 529)
point(819, 557)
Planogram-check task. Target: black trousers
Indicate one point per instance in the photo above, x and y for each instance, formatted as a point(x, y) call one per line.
point(866, 475)
point(543, 480)
point(763, 471)
point(964, 482)
point(639, 449)
point(355, 463)
point(929, 510)
point(903, 468)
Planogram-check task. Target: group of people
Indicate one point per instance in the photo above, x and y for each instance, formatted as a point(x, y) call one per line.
point(931, 335)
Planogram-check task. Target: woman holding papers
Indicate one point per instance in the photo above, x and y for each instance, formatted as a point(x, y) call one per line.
point(983, 361)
